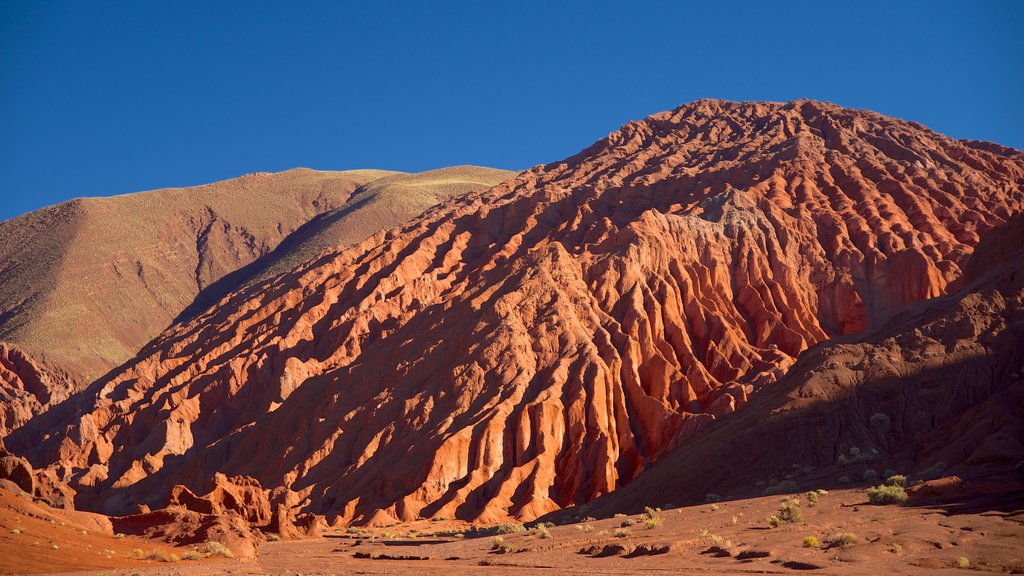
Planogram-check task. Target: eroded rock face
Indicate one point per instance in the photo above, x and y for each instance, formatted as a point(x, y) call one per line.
point(940, 389)
point(185, 527)
point(27, 387)
point(239, 494)
point(18, 476)
point(541, 343)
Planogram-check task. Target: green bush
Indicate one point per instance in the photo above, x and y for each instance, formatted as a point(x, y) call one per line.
point(651, 517)
point(812, 499)
point(214, 548)
point(896, 480)
point(842, 539)
point(789, 514)
point(509, 528)
point(784, 487)
point(884, 494)
point(811, 542)
point(880, 420)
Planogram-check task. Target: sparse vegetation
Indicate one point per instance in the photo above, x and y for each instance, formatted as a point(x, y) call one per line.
point(715, 507)
point(712, 497)
point(119, 536)
point(870, 475)
point(214, 548)
point(844, 479)
point(856, 456)
point(16, 531)
point(935, 469)
point(541, 531)
point(880, 421)
point(842, 539)
point(897, 548)
point(651, 518)
point(811, 542)
point(963, 562)
point(812, 499)
point(789, 514)
point(627, 523)
point(784, 487)
point(161, 556)
point(192, 556)
point(273, 537)
point(509, 528)
point(622, 533)
point(896, 480)
point(886, 494)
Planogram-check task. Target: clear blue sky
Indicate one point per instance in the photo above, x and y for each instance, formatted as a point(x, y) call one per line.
point(100, 98)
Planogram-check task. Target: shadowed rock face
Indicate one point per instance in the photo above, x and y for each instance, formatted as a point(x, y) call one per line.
point(946, 374)
point(27, 387)
point(540, 343)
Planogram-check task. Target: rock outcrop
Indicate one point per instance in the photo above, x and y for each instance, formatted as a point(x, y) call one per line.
point(542, 343)
point(940, 389)
point(27, 387)
point(18, 477)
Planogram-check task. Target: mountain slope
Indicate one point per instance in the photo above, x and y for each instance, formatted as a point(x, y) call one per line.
point(375, 206)
point(86, 283)
point(947, 374)
point(540, 343)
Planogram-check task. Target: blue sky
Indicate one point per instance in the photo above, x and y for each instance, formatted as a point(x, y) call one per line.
point(101, 98)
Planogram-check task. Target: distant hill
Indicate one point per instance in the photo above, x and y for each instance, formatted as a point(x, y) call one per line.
point(85, 283)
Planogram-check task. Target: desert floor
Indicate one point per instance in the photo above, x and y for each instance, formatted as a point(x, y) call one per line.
point(724, 538)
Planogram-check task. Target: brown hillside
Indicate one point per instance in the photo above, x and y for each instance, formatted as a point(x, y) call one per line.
point(541, 343)
point(86, 283)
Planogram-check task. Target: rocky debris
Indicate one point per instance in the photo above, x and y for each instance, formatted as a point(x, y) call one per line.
point(649, 550)
point(544, 342)
point(239, 494)
point(182, 527)
point(42, 485)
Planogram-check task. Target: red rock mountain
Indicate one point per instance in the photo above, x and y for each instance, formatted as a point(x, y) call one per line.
point(938, 390)
point(543, 342)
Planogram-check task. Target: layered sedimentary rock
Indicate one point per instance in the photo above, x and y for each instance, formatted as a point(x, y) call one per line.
point(541, 343)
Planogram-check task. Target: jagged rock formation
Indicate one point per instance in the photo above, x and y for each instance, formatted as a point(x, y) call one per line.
point(18, 477)
point(541, 343)
point(84, 284)
point(27, 387)
point(946, 376)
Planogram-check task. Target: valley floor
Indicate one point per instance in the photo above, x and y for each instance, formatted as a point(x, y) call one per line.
point(724, 538)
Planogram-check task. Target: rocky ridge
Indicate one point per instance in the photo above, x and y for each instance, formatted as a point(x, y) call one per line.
point(543, 342)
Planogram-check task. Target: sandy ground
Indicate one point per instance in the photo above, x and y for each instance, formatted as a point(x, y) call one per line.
point(724, 538)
